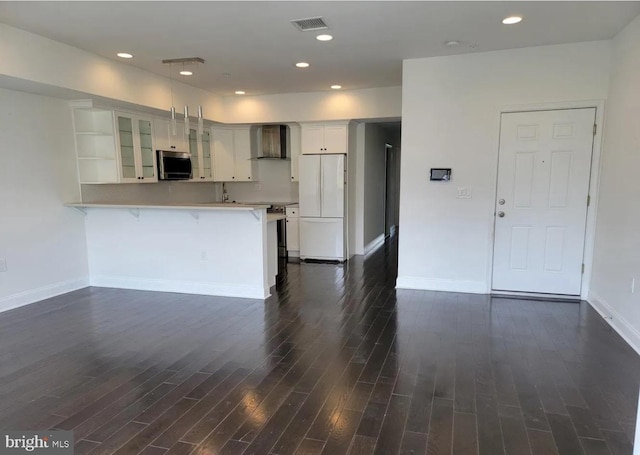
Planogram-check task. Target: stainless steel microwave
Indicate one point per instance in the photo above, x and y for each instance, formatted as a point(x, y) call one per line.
point(174, 165)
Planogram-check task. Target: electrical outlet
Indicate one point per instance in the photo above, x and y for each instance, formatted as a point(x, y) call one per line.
point(464, 193)
point(3, 265)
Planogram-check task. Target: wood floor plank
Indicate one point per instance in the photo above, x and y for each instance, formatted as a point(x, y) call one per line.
point(413, 443)
point(564, 434)
point(441, 427)
point(465, 439)
point(542, 443)
point(514, 432)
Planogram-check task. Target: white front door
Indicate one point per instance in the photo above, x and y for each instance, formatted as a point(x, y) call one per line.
point(541, 205)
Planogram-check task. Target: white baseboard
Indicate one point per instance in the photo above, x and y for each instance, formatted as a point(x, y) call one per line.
point(629, 333)
point(146, 284)
point(428, 284)
point(374, 244)
point(45, 292)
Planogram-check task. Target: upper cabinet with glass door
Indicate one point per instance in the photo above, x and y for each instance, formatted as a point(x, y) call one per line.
point(200, 149)
point(113, 147)
point(135, 144)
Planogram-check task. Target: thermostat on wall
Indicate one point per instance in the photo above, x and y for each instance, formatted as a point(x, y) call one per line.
point(440, 174)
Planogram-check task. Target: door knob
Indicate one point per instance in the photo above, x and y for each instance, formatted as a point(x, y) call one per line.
point(501, 214)
point(501, 201)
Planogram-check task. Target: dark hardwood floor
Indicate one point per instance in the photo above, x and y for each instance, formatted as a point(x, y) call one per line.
point(335, 362)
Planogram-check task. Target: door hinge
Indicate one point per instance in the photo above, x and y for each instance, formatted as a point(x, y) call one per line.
point(595, 129)
point(588, 200)
point(582, 268)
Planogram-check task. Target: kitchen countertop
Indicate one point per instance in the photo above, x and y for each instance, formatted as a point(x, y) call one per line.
point(175, 206)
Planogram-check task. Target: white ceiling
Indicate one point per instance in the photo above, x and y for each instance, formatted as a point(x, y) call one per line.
point(257, 46)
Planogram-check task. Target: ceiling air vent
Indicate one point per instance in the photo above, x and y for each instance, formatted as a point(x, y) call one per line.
point(310, 24)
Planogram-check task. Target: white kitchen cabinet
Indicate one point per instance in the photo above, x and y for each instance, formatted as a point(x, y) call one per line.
point(293, 231)
point(201, 160)
point(223, 158)
point(112, 147)
point(244, 166)
point(137, 156)
point(294, 151)
point(330, 138)
point(166, 140)
point(232, 154)
point(95, 144)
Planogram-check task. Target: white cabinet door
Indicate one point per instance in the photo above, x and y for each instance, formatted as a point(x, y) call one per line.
point(223, 159)
point(207, 161)
point(126, 137)
point(294, 151)
point(332, 186)
point(335, 138)
point(293, 234)
point(164, 138)
point(148, 168)
point(135, 143)
point(312, 138)
point(242, 152)
point(309, 190)
point(196, 156)
point(161, 133)
point(541, 207)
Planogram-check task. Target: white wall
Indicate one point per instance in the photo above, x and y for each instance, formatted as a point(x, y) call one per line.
point(450, 118)
point(384, 102)
point(617, 247)
point(355, 188)
point(43, 62)
point(39, 60)
point(42, 241)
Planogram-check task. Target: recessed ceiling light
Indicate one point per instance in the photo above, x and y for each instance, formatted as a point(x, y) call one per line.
point(511, 20)
point(451, 43)
point(124, 55)
point(240, 92)
point(336, 87)
point(324, 37)
point(302, 65)
point(186, 73)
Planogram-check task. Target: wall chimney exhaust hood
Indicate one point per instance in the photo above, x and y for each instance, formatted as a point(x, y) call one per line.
point(273, 142)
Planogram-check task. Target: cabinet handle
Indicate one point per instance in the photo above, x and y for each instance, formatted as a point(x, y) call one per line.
point(249, 178)
point(142, 178)
point(233, 177)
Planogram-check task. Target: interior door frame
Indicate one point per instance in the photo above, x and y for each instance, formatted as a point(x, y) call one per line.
point(594, 183)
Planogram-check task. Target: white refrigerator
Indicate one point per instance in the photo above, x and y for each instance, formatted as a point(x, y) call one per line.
point(322, 209)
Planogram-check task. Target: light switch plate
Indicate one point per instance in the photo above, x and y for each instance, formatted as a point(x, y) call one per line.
point(464, 193)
